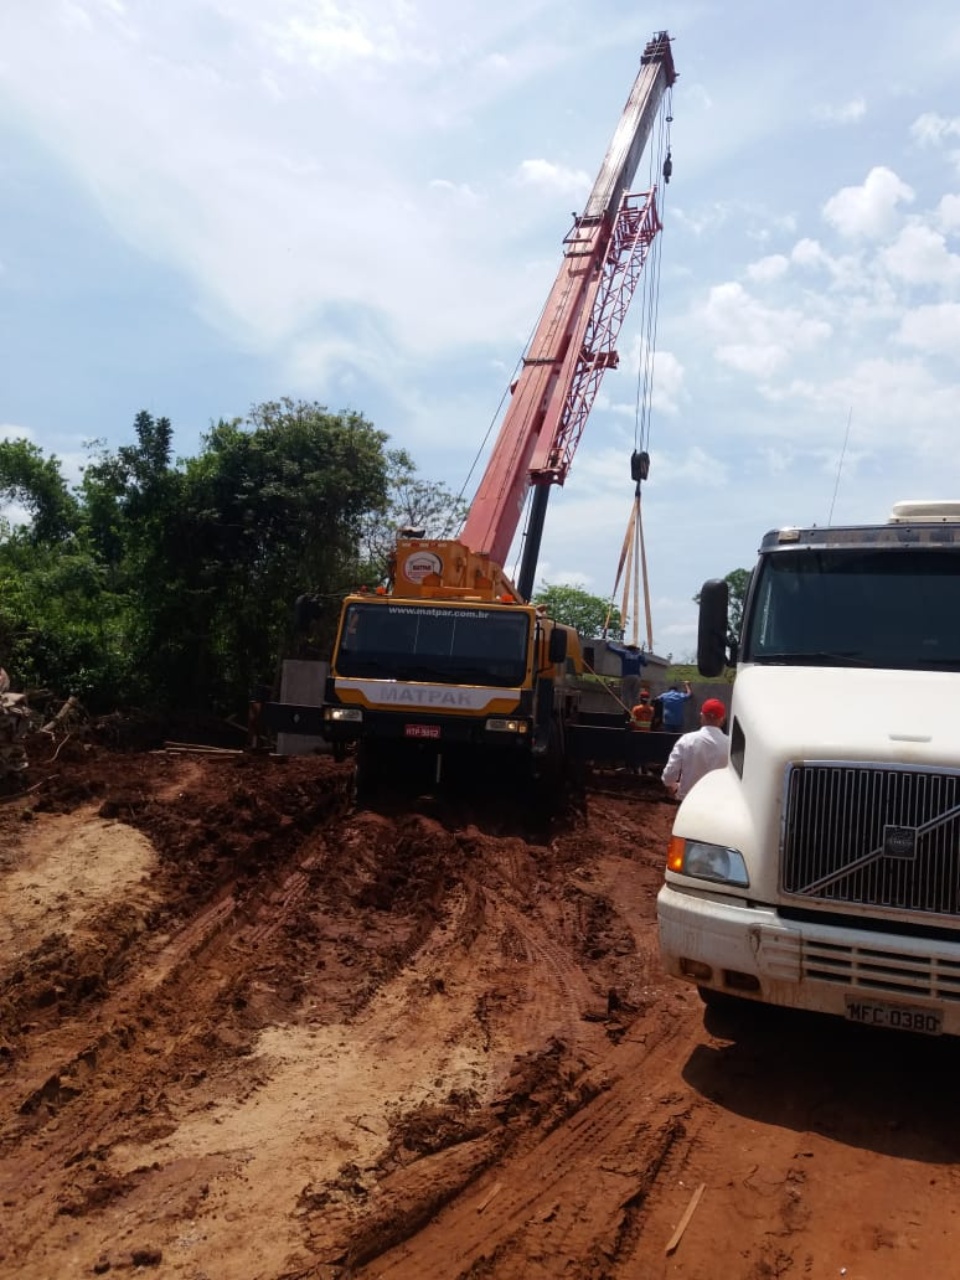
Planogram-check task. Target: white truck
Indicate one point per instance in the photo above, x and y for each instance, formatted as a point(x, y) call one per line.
point(820, 869)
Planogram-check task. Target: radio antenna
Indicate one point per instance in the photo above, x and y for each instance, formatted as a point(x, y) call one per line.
point(843, 451)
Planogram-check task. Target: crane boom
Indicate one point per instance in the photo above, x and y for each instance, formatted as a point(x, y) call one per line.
point(573, 343)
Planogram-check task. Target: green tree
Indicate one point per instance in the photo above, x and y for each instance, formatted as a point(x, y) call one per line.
point(59, 625)
point(61, 628)
point(173, 583)
point(272, 507)
point(577, 608)
point(131, 500)
point(36, 483)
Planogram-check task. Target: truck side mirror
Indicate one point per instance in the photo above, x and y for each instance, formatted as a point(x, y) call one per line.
point(558, 646)
point(712, 631)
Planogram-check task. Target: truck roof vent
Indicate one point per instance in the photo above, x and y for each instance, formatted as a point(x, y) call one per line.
point(929, 511)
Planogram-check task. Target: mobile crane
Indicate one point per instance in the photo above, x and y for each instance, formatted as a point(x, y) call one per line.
point(452, 657)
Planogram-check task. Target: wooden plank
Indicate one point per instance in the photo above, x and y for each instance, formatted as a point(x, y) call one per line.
point(685, 1220)
point(494, 1190)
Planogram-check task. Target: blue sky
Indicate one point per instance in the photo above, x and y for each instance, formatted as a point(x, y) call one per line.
point(210, 203)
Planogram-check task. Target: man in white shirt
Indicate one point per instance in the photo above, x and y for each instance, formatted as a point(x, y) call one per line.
point(696, 753)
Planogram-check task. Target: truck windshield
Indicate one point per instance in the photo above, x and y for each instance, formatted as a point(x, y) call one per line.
point(856, 607)
point(447, 644)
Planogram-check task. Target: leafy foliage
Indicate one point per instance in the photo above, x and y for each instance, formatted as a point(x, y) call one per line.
point(591, 615)
point(171, 583)
point(35, 482)
point(60, 625)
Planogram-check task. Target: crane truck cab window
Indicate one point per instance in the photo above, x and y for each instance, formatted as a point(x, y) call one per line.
point(440, 644)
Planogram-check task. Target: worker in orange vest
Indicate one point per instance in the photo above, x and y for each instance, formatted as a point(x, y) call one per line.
point(641, 717)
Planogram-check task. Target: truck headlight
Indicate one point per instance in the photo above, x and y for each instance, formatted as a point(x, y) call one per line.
point(342, 713)
point(707, 861)
point(507, 726)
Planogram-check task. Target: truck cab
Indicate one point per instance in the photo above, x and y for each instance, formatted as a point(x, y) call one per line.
point(820, 869)
point(426, 685)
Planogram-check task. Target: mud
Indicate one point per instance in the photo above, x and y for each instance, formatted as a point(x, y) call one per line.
point(249, 1032)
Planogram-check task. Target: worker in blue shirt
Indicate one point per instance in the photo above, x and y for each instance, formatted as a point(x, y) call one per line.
point(670, 707)
point(632, 662)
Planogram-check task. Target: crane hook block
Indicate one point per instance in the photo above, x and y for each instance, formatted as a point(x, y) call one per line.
point(667, 168)
point(639, 465)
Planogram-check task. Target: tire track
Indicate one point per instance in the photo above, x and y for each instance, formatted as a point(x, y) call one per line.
point(575, 1194)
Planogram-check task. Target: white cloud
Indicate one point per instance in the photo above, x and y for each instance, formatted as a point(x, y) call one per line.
point(333, 43)
point(919, 255)
point(669, 389)
point(694, 468)
point(566, 577)
point(932, 130)
point(11, 431)
point(809, 253)
point(948, 214)
point(845, 113)
point(895, 404)
point(332, 36)
point(257, 158)
point(754, 338)
point(705, 219)
point(777, 460)
point(574, 183)
point(761, 360)
point(932, 328)
point(456, 190)
point(870, 210)
point(770, 268)
point(666, 376)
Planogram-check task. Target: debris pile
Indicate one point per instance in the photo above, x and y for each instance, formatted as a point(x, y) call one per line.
point(16, 721)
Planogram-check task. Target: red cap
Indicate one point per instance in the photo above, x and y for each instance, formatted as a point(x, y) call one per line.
point(714, 709)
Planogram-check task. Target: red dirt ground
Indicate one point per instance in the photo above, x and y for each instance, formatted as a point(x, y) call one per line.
point(250, 1033)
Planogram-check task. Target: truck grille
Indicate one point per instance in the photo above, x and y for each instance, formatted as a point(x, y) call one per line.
point(873, 836)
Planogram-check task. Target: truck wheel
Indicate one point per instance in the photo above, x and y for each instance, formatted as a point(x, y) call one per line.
point(368, 773)
point(552, 763)
point(726, 1014)
point(721, 1000)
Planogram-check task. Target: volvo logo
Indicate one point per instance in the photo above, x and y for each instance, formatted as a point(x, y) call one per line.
point(899, 842)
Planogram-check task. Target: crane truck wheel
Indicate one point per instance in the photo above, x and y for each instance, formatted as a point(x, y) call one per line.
point(550, 770)
point(369, 773)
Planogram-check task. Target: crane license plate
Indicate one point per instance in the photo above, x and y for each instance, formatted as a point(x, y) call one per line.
point(421, 730)
point(898, 1017)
